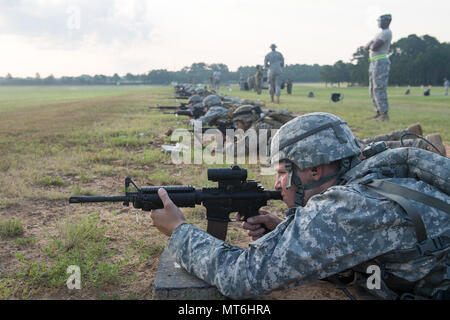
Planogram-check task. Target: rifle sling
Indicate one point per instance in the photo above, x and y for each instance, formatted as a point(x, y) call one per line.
point(401, 194)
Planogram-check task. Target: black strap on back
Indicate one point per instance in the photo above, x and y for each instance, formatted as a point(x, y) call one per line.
point(401, 194)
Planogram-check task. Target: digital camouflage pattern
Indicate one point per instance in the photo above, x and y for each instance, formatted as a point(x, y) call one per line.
point(194, 99)
point(341, 228)
point(345, 227)
point(212, 100)
point(378, 82)
point(316, 149)
point(271, 120)
point(213, 114)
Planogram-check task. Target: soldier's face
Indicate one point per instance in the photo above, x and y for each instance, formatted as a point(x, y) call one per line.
point(281, 183)
point(239, 125)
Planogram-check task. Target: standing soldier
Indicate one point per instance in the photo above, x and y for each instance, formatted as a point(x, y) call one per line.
point(241, 83)
point(379, 68)
point(446, 85)
point(251, 82)
point(258, 79)
point(289, 86)
point(217, 74)
point(274, 60)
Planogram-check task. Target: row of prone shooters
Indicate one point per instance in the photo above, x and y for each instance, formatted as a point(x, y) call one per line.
point(209, 109)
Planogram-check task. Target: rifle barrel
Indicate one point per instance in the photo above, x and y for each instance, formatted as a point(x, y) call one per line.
point(84, 199)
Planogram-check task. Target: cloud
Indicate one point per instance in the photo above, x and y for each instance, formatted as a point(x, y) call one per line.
point(70, 24)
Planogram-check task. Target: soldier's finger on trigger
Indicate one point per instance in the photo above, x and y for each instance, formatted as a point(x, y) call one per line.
point(249, 226)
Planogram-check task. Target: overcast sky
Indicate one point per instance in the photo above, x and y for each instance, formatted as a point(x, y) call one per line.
point(74, 37)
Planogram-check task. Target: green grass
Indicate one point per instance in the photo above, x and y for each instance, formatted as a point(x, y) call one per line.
point(78, 242)
point(11, 228)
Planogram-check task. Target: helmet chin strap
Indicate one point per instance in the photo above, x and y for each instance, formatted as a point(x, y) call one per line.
point(301, 188)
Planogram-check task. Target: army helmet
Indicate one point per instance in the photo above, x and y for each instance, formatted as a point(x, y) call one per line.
point(247, 113)
point(314, 139)
point(200, 91)
point(194, 99)
point(212, 100)
point(385, 17)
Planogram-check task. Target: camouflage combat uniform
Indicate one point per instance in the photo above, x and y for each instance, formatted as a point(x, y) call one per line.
point(394, 140)
point(215, 110)
point(251, 82)
point(274, 60)
point(346, 226)
point(262, 120)
point(379, 73)
point(258, 80)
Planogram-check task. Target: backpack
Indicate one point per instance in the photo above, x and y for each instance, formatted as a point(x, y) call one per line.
point(432, 169)
point(281, 116)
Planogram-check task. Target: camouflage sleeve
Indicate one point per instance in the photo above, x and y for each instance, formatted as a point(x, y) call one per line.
point(213, 114)
point(326, 237)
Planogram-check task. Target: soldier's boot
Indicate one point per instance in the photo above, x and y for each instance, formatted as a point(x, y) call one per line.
point(375, 116)
point(436, 140)
point(383, 117)
point(416, 129)
point(271, 99)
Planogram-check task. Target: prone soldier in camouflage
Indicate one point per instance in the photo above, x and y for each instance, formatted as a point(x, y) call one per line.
point(252, 117)
point(274, 61)
point(341, 219)
point(213, 110)
point(410, 137)
point(379, 68)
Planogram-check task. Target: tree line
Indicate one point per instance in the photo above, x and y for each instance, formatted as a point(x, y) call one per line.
point(414, 61)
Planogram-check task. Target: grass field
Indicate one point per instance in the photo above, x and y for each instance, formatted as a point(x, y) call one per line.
point(56, 142)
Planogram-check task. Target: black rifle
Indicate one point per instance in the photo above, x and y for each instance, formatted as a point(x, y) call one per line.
point(182, 106)
point(234, 194)
point(181, 97)
point(193, 113)
point(221, 125)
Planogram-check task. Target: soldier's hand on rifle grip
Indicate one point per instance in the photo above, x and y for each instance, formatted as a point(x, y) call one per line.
point(168, 219)
point(257, 226)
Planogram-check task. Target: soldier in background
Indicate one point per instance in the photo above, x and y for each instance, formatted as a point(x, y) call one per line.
point(274, 61)
point(446, 85)
point(379, 68)
point(241, 83)
point(217, 75)
point(251, 82)
point(252, 117)
point(408, 138)
point(258, 79)
point(289, 86)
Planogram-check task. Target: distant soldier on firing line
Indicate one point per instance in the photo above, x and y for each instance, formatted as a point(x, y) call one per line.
point(274, 61)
